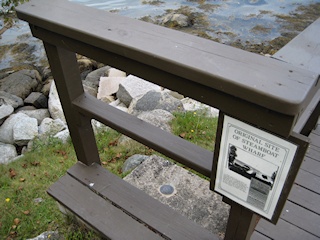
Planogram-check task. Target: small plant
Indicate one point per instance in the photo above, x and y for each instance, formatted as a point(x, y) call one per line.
point(8, 11)
point(9, 6)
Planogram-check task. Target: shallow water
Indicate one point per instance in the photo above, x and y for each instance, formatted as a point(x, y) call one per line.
point(228, 19)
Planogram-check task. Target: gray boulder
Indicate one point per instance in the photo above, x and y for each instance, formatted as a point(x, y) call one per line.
point(6, 129)
point(5, 111)
point(38, 114)
point(158, 117)
point(93, 78)
point(155, 100)
point(132, 87)
point(21, 83)
point(7, 153)
point(37, 99)
point(25, 130)
point(133, 161)
point(10, 99)
point(50, 127)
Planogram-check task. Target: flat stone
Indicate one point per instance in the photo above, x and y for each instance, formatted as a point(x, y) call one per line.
point(190, 197)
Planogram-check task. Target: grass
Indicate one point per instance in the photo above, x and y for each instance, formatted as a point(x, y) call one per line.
point(26, 209)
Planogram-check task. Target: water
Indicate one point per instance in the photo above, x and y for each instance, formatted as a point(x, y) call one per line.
point(227, 19)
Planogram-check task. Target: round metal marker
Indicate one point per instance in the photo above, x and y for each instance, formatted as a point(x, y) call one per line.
point(166, 189)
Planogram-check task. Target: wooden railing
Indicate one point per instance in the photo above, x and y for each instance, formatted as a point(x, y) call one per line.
point(263, 92)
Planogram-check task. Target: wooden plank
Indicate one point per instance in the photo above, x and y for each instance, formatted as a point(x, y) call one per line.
point(286, 89)
point(98, 213)
point(306, 46)
point(314, 152)
point(315, 139)
point(283, 230)
point(303, 197)
point(258, 236)
point(311, 165)
point(172, 146)
point(301, 218)
point(308, 180)
point(139, 204)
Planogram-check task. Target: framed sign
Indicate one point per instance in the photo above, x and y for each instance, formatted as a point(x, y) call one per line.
point(254, 168)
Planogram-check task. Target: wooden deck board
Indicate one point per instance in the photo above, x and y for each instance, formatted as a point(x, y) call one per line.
point(138, 204)
point(300, 218)
point(97, 212)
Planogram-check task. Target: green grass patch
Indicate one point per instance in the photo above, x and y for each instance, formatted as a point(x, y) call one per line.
point(26, 209)
point(196, 127)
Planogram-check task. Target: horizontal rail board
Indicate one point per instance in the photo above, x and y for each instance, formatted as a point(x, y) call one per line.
point(138, 204)
point(273, 84)
point(172, 146)
point(97, 212)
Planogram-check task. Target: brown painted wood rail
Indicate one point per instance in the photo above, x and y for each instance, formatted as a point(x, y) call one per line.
point(267, 93)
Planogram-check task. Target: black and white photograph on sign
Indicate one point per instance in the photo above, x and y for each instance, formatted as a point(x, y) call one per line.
point(252, 166)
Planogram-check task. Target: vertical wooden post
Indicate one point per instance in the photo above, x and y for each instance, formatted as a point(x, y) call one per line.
point(241, 223)
point(66, 73)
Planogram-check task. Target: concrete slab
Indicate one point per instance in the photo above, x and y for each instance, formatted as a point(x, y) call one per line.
point(183, 191)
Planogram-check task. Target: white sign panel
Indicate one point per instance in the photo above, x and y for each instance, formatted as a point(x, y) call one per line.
point(252, 166)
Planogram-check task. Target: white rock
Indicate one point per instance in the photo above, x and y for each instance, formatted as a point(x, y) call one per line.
point(108, 86)
point(193, 105)
point(54, 104)
point(158, 117)
point(7, 153)
point(25, 130)
point(51, 126)
point(5, 111)
point(38, 114)
point(113, 72)
point(6, 129)
point(98, 126)
point(132, 87)
point(64, 135)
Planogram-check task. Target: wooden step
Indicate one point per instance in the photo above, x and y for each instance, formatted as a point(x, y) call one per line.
point(118, 210)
